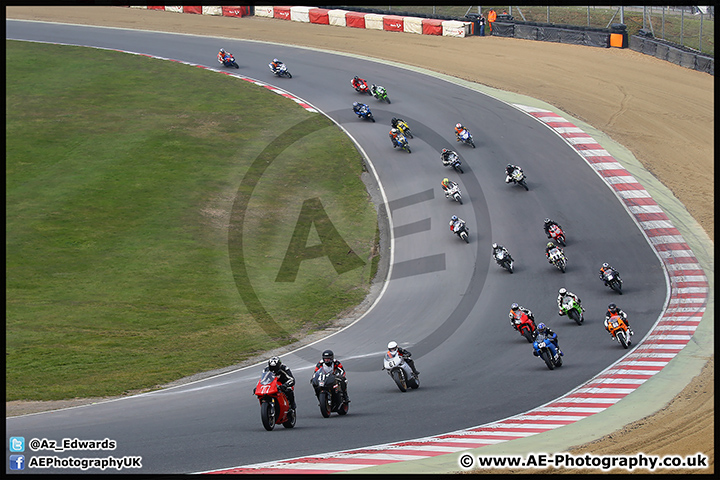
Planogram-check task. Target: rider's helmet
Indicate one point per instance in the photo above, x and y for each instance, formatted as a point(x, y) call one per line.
point(392, 346)
point(446, 182)
point(328, 357)
point(274, 364)
point(541, 327)
point(514, 306)
point(547, 220)
point(494, 246)
point(509, 166)
point(355, 104)
point(275, 60)
point(454, 218)
point(222, 50)
point(562, 291)
point(444, 150)
point(458, 125)
point(605, 265)
point(394, 130)
point(394, 121)
point(356, 77)
point(550, 245)
point(612, 308)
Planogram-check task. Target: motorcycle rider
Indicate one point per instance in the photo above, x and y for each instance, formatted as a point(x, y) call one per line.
point(549, 247)
point(359, 108)
point(394, 134)
point(605, 269)
point(285, 379)
point(222, 56)
point(405, 354)
point(614, 310)
point(394, 122)
point(374, 90)
point(458, 130)
point(515, 311)
point(328, 359)
point(275, 65)
point(548, 224)
point(456, 224)
point(357, 82)
point(562, 293)
point(496, 249)
point(447, 185)
point(509, 170)
point(544, 330)
point(445, 156)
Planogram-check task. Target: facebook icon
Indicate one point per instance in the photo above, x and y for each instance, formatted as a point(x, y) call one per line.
point(17, 462)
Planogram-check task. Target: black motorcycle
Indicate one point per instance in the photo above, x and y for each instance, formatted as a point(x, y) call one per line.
point(328, 392)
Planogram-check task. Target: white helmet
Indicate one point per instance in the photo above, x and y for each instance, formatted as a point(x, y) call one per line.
point(494, 246)
point(275, 60)
point(562, 291)
point(392, 345)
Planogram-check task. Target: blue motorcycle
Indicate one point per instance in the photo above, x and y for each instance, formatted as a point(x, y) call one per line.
point(363, 111)
point(546, 350)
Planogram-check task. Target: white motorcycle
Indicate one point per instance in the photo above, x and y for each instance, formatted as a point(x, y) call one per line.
point(454, 193)
point(400, 371)
point(518, 176)
point(504, 260)
point(281, 71)
point(557, 258)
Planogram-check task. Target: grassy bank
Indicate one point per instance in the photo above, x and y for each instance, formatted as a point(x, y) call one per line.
point(123, 175)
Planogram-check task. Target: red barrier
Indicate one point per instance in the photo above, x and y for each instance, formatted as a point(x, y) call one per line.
point(235, 11)
point(432, 26)
point(355, 19)
point(197, 10)
point(393, 23)
point(161, 7)
point(319, 15)
point(281, 12)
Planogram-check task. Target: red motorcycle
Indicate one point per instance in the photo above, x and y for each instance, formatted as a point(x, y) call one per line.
point(557, 234)
point(274, 405)
point(524, 325)
point(361, 86)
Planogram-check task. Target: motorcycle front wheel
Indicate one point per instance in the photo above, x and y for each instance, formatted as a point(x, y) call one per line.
point(615, 285)
point(267, 414)
point(622, 338)
point(573, 314)
point(399, 379)
point(547, 358)
point(325, 407)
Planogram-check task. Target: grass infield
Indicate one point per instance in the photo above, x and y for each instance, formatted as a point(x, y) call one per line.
point(123, 180)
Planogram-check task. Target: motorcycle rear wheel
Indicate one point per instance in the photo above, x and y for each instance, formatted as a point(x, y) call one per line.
point(267, 414)
point(290, 422)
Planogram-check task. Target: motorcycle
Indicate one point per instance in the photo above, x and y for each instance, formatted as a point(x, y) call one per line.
point(618, 329)
point(547, 352)
point(525, 325)
point(454, 193)
point(462, 232)
point(403, 143)
point(400, 371)
point(404, 128)
point(612, 280)
point(454, 162)
point(379, 92)
point(504, 260)
point(281, 71)
point(363, 87)
point(466, 138)
point(557, 234)
point(518, 176)
point(365, 113)
point(328, 392)
point(572, 309)
point(229, 61)
point(274, 405)
point(557, 258)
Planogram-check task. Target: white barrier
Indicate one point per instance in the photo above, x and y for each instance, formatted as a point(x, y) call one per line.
point(211, 10)
point(412, 25)
point(453, 28)
point(300, 14)
point(174, 9)
point(337, 17)
point(374, 21)
point(263, 12)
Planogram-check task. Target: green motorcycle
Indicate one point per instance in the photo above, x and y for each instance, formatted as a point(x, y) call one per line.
point(572, 309)
point(379, 92)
